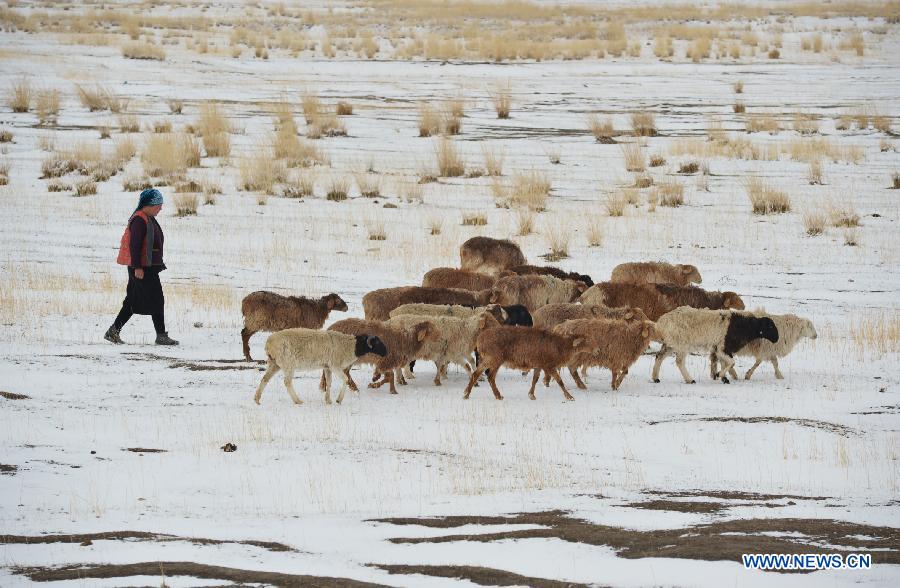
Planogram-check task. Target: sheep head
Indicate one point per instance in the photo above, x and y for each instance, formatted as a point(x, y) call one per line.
point(808, 329)
point(733, 301)
point(369, 344)
point(690, 273)
point(335, 302)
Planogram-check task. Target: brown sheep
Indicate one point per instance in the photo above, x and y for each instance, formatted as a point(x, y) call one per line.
point(616, 294)
point(490, 256)
point(538, 270)
point(450, 277)
point(378, 304)
point(534, 292)
point(656, 272)
point(524, 349)
point(402, 347)
point(268, 311)
point(554, 314)
point(699, 298)
point(614, 345)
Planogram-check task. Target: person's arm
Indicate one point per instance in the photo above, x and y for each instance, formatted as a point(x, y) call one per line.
point(138, 232)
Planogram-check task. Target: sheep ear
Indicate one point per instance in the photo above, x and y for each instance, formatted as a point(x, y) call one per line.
point(494, 297)
point(630, 315)
point(577, 342)
point(685, 269)
point(329, 302)
point(423, 332)
point(646, 332)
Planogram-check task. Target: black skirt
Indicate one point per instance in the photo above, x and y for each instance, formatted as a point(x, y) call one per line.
point(145, 296)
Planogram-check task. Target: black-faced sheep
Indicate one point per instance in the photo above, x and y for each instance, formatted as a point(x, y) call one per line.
point(308, 349)
point(719, 332)
point(524, 349)
point(490, 256)
point(791, 328)
point(402, 346)
point(378, 304)
point(538, 270)
point(656, 272)
point(450, 277)
point(268, 311)
point(533, 292)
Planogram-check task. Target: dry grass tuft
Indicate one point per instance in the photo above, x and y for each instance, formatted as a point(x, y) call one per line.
point(895, 181)
point(213, 128)
point(494, 158)
point(884, 145)
point(814, 175)
point(369, 185)
point(474, 219)
point(602, 129)
point(301, 184)
point(529, 189)
point(877, 333)
point(501, 97)
point(338, 188)
point(842, 214)
point(136, 183)
point(642, 181)
point(435, 224)
point(376, 229)
point(762, 123)
point(104, 131)
point(615, 204)
point(429, 121)
point(4, 173)
point(176, 105)
point(449, 162)
point(556, 234)
point(739, 107)
point(47, 106)
point(6, 136)
point(19, 99)
point(128, 123)
point(165, 156)
point(851, 237)
point(805, 124)
point(643, 124)
point(689, 167)
point(162, 126)
point(813, 222)
point(186, 204)
point(85, 187)
point(635, 160)
point(882, 123)
point(663, 47)
point(657, 160)
point(765, 199)
point(524, 222)
point(594, 230)
point(343, 108)
point(670, 193)
point(58, 185)
point(410, 191)
point(139, 50)
point(739, 87)
point(261, 171)
point(311, 105)
point(326, 125)
point(294, 151)
point(451, 123)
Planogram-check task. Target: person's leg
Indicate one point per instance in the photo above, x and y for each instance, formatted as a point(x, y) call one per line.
point(159, 317)
point(112, 333)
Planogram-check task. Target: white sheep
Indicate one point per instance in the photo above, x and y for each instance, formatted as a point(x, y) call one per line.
point(309, 349)
point(456, 343)
point(718, 332)
point(791, 328)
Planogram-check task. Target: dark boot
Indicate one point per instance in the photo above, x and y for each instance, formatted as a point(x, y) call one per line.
point(164, 339)
point(112, 335)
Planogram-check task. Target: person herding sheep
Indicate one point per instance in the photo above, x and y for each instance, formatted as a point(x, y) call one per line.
point(141, 249)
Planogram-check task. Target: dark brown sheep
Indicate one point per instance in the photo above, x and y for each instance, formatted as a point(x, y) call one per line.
point(697, 297)
point(402, 346)
point(378, 304)
point(524, 349)
point(656, 272)
point(539, 270)
point(268, 311)
point(554, 314)
point(451, 277)
point(490, 256)
point(643, 296)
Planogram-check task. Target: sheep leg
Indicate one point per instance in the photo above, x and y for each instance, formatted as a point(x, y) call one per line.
point(474, 378)
point(534, 379)
point(408, 374)
point(439, 369)
point(492, 380)
point(322, 382)
point(727, 363)
point(350, 382)
point(679, 361)
point(245, 340)
point(713, 365)
point(398, 377)
point(555, 373)
point(615, 380)
point(664, 352)
point(344, 382)
point(584, 370)
point(546, 378)
point(622, 374)
point(778, 373)
point(271, 370)
point(409, 370)
point(289, 384)
point(573, 371)
point(390, 379)
point(327, 373)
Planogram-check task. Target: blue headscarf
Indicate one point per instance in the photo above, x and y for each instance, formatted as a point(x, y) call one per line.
point(149, 197)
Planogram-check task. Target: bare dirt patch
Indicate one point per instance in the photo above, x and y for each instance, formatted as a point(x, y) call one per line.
point(200, 365)
point(723, 540)
point(477, 575)
point(184, 568)
point(732, 495)
point(144, 450)
point(13, 395)
point(842, 430)
point(9, 470)
point(135, 536)
point(680, 506)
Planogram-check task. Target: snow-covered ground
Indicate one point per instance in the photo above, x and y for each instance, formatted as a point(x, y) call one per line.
point(819, 446)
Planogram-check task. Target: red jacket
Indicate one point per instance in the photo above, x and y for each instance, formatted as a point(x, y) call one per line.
point(142, 242)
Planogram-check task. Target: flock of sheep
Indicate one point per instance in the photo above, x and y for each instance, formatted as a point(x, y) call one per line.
point(498, 311)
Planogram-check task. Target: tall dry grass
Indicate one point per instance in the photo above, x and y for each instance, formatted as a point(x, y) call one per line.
point(766, 199)
point(47, 106)
point(214, 130)
point(634, 156)
point(449, 162)
point(602, 129)
point(501, 97)
point(643, 124)
point(19, 98)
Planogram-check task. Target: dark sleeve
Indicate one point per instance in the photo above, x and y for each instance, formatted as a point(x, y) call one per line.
point(138, 232)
